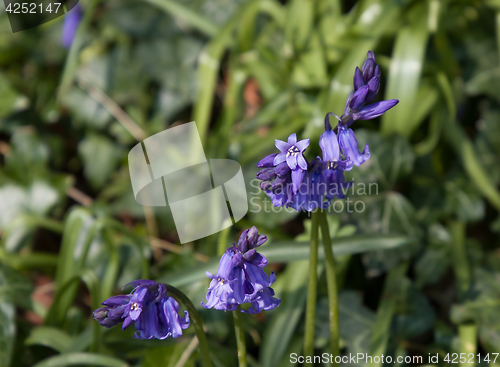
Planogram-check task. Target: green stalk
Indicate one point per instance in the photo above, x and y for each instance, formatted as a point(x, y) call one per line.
point(240, 338)
point(331, 280)
point(197, 323)
point(311, 291)
point(467, 335)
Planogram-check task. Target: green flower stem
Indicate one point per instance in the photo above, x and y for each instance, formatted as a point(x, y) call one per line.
point(467, 335)
point(240, 338)
point(331, 285)
point(197, 323)
point(311, 290)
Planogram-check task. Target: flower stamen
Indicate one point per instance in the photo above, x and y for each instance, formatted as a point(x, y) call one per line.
point(292, 151)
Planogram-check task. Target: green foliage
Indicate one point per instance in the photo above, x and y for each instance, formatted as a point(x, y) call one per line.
point(418, 266)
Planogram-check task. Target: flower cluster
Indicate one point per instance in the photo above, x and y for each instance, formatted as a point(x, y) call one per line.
point(290, 181)
point(241, 277)
point(153, 312)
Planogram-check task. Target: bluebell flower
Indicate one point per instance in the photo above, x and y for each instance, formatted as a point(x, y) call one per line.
point(279, 180)
point(153, 313)
point(366, 86)
point(71, 22)
point(241, 278)
point(312, 190)
point(292, 152)
point(290, 181)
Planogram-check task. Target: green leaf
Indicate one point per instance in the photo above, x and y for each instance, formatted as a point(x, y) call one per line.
point(29, 261)
point(14, 287)
point(386, 309)
point(66, 292)
point(100, 157)
point(7, 332)
point(10, 97)
point(299, 23)
point(208, 68)
point(356, 322)
point(166, 356)
point(78, 359)
point(405, 72)
point(290, 251)
point(78, 233)
point(291, 288)
point(311, 70)
point(50, 337)
point(477, 174)
point(187, 15)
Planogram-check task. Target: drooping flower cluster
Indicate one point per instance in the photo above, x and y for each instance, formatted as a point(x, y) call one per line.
point(290, 181)
point(153, 313)
point(241, 277)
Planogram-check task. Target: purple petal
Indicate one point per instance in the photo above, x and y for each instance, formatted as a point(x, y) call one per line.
point(349, 145)
point(267, 161)
point(373, 87)
point(263, 301)
point(282, 145)
point(282, 169)
point(134, 314)
point(329, 146)
point(116, 313)
point(137, 283)
point(302, 162)
point(258, 260)
point(171, 308)
point(358, 79)
point(292, 139)
point(303, 144)
point(239, 285)
point(261, 240)
point(375, 109)
point(265, 185)
point(345, 165)
point(252, 235)
point(328, 126)
point(266, 174)
point(117, 301)
point(101, 313)
point(249, 254)
point(347, 103)
point(257, 277)
point(358, 98)
point(127, 322)
point(368, 67)
point(147, 325)
point(280, 158)
point(291, 161)
point(70, 25)
point(297, 179)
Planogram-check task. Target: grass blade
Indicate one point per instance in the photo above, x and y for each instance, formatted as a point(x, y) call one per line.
point(405, 72)
point(78, 359)
point(187, 15)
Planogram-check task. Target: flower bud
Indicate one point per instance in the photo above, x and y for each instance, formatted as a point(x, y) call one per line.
point(265, 185)
point(267, 161)
point(266, 174)
point(282, 169)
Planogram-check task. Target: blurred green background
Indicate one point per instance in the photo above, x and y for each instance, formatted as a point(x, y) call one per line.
point(419, 268)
